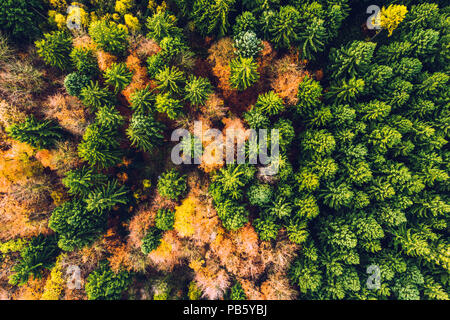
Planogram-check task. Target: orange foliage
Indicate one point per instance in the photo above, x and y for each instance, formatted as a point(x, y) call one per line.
point(84, 42)
point(105, 60)
point(146, 48)
point(10, 114)
point(169, 252)
point(220, 55)
point(285, 76)
point(16, 166)
point(32, 290)
point(61, 159)
point(145, 218)
point(214, 108)
point(246, 240)
point(142, 220)
point(251, 290)
point(266, 56)
point(234, 123)
point(280, 256)
point(25, 200)
point(242, 263)
point(211, 279)
point(118, 251)
point(213, 150)
point(68, 111)
point(277, 287)
point(222, 52)
point(15, 220)
point(91, 255)
point(140, 79)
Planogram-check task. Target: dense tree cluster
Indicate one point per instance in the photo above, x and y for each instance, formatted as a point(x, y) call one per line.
point(87, 130)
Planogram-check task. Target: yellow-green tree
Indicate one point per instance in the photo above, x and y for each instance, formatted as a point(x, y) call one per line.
point(391, 17)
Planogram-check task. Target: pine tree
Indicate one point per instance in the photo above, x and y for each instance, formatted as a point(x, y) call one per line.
point(336, 13)
point(85, 61)
point(39, 254)
point(247, 44)
point(307, 275)
point(297, 232)
point(55, 49)
point(309, 95)
point(94, 96)
point(307, 180)
point(106, 197)
point(306, 207)
point(76, 227)
point(144, 132)
point(244, 73)
point(265, 23)
point(233, 215)
point(374, 110)
point(39, 134)
point(105, 284)
point(75, 82)
point(151, 240)
point(211, 17)
point(320, 117)
point(433, 84)
point(155, 64)
point(100, 146)
point(109, 36)
point(165, 104)
point(286, 133)
point(118, 76)
point(351, 60)
point(171, 184)
point(142, 101)
point(267, 228)
point(407, 68)
point(320, 142)
point(197, 90)
point(170, 80)
point(20, 18)
point(161, 25)
point(394, 51)
point(260, 5)
point(165, 219)
point(422, 16)
point(259, 194)
point(384, 138)
point(359, 172)
point(109, 116)
point(81, 181)
point(237, 293)
point(279, 208)
point(244, 22)
point(270, 104)
point(284, 27)
point(312, 39)
point(425, 43)
point(229, 182)
point(172, 47)
point(345, 91)
point(398, 92)
point(256, 119)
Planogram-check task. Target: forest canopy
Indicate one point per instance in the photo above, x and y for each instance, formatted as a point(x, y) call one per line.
point(93, 206)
